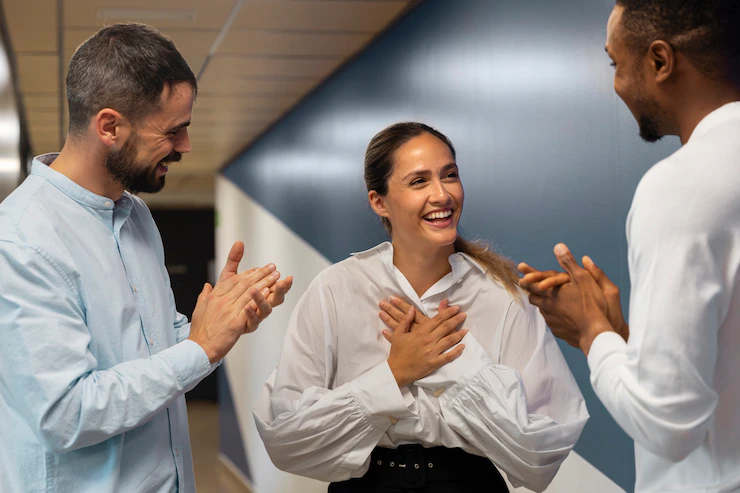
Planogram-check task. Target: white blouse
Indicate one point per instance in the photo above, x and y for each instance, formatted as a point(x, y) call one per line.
point(333, 398)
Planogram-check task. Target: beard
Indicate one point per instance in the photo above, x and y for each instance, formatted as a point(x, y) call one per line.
point(649, 121)
point(135, 178)
point(650, 117)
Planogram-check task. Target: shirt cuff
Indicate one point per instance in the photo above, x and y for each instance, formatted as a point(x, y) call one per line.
point(460, 371)
point(603, 346)
point(190, 362)
point(378, 394)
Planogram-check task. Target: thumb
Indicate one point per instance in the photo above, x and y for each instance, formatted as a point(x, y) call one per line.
point(405, 324)
point(566, 260)
point(207, 288)
point(597, 273)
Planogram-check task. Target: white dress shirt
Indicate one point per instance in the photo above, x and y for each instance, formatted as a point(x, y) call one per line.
point(333, 398)
point(673, 386)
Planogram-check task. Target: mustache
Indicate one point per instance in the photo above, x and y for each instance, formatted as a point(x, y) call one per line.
point(173, 157)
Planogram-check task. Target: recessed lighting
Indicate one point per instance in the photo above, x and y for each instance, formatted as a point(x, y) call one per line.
point(146, 15)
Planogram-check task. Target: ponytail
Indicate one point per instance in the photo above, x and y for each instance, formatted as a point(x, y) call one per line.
point(500, 268)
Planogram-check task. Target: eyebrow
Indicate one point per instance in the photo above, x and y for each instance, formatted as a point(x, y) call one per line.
point(426, 172)
point(178, 127)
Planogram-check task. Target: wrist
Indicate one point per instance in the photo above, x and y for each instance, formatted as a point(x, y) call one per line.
point(591, 333)
point(401, 380)
point(212, 356)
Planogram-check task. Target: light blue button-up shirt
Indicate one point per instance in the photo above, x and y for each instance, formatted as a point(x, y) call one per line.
point(94, 358)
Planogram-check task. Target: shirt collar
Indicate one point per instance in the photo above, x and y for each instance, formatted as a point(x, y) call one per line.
point(730, 111)
point(460, 262)
point(100, 205)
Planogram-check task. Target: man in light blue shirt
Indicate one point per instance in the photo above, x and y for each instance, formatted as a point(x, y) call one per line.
point(95, 359)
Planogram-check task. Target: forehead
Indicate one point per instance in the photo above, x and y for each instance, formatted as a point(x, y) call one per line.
point(613, 26)
point(175, 104)
point(421, 151)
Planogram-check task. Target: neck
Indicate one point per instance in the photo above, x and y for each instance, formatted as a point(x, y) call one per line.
point(84, 164)
point(423, 267)
point(699, 103)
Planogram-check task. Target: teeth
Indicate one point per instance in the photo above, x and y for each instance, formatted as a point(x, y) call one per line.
point(439, 215)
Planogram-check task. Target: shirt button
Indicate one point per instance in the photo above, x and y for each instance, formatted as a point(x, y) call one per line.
point(135, 289)
point(393, 419)
point(107, 203)
point(438, 392)
point(177, 452)
point(460, 259)
point(151, 342)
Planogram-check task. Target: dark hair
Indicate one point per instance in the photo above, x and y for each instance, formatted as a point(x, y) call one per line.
point(705, 31)
point(379, 160)
point(124, 67)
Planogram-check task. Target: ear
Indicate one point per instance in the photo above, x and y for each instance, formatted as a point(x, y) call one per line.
point(377, 202)
point(111, 127)
point(662, 59)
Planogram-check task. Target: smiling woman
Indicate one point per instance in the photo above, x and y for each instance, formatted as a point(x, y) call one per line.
point(467, 379)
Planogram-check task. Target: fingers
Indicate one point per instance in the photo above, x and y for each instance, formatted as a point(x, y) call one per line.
point(525, 268)
point(394, 312)
point(232, 262)
point(253, 319)
point(449, 325)
point(279, 290)
point(388, 320)
point(388, 335)
point(451, 355)
point(443, 305)
point(207, 289)
point(259, 298)
point(551, 282)
point(405, 324)
point(400, 304)
point(443, 315)
point(447, 342)
point(566, 260)
point(262, 278)
point(538, 282)
point(604, 282)
point(242, 292)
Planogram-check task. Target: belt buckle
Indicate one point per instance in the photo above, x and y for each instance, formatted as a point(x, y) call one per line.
point(412, 471)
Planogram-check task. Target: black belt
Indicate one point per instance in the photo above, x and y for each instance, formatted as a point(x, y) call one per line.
point(413, 466)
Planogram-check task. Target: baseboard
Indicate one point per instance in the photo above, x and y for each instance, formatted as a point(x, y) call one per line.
point(235, 476)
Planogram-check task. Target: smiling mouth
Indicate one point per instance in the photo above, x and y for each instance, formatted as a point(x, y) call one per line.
point(438, 217)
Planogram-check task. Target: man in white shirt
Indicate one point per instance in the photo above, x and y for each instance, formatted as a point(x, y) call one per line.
point(667, 377)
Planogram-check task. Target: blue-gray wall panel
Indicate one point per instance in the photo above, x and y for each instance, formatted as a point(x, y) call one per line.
point(546, 150)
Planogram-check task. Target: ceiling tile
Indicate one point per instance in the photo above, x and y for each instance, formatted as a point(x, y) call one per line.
point(38, 73)
point(327, 16)
point(32, 24)
point(209, 14)
point(290, 43)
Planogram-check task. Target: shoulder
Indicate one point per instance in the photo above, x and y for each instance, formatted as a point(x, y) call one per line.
point(357, 267)
point(692, 191)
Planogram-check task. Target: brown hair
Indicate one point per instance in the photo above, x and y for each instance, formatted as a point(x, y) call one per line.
point(379, 160)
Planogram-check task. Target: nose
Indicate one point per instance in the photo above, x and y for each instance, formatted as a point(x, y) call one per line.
point(182, 142)
point(439, 193)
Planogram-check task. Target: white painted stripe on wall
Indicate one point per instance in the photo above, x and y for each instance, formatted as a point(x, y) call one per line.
point(255, 356)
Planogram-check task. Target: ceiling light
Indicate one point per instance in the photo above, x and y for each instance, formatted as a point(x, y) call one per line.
point(146, 15)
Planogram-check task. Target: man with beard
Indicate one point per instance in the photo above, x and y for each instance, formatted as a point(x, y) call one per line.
point(95, 359)
point(669, 378)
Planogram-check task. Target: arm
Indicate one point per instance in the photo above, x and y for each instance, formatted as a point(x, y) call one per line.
point(526, 413)
point(52, 379)
point(659, 385)
point(309, 429)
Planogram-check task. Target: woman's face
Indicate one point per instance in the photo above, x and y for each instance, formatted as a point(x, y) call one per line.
point(425, 196)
